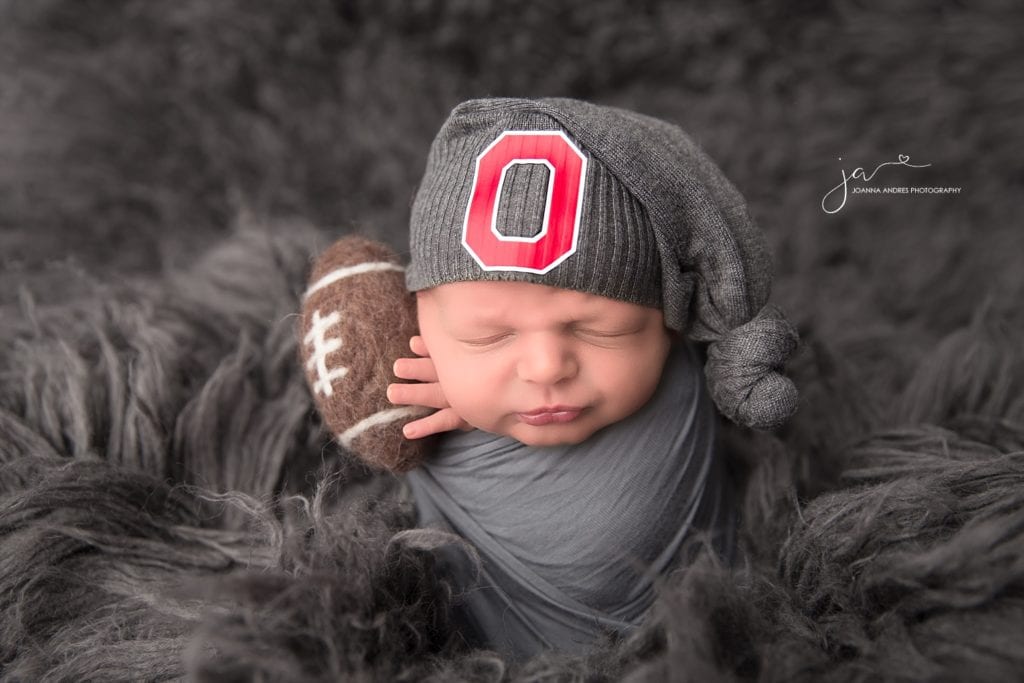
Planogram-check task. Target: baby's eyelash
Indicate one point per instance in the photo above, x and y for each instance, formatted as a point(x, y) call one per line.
point(485, 341)
point(605, 333)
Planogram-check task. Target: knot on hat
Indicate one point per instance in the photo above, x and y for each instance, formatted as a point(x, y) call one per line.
point(743, 371)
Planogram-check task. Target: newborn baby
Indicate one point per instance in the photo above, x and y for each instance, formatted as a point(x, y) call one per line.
point(592, 463)
point(567, 257)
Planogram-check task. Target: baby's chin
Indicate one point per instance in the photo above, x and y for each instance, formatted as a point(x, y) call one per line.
point(550, 435)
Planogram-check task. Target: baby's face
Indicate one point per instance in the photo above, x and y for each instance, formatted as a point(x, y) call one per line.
point(542, 365)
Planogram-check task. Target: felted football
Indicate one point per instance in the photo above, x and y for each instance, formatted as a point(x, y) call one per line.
point(357, 318)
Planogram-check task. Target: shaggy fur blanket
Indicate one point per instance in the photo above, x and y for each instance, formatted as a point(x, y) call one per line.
point(170, 506)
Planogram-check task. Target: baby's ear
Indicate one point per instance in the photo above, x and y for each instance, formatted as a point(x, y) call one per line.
point(357, 318)
point(421, 299)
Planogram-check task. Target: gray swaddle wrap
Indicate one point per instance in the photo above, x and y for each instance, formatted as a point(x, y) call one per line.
point(565, 532)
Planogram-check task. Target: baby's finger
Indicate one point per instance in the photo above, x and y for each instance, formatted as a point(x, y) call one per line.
point(442, 421)
point(418, 346)
point(429, 395)
point(418, 369)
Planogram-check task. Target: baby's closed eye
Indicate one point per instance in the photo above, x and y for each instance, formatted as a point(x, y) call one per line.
point(487, 341)
point(606, 335)
point(599, 332)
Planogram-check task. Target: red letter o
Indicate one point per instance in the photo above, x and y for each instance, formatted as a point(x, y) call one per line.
point(559, 233)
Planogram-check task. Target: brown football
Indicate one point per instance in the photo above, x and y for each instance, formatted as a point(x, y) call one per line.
point(357, 318)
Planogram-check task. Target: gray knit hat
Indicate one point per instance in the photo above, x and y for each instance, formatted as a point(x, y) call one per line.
point(607, 201)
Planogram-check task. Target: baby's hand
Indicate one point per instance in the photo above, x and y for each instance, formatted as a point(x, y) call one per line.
point(426, 393)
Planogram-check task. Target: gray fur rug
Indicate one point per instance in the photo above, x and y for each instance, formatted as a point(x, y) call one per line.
point(170, 506)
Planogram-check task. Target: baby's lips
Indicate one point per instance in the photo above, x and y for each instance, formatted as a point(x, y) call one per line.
point(552, 415)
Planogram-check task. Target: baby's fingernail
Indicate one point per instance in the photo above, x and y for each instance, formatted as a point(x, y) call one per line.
point(409, 431)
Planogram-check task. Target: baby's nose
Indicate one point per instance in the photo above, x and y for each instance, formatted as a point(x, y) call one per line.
point(547, 360)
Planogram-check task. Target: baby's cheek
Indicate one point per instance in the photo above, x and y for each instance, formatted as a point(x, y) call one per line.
point(461, 392)
point(474, 409)
point(633, 391)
